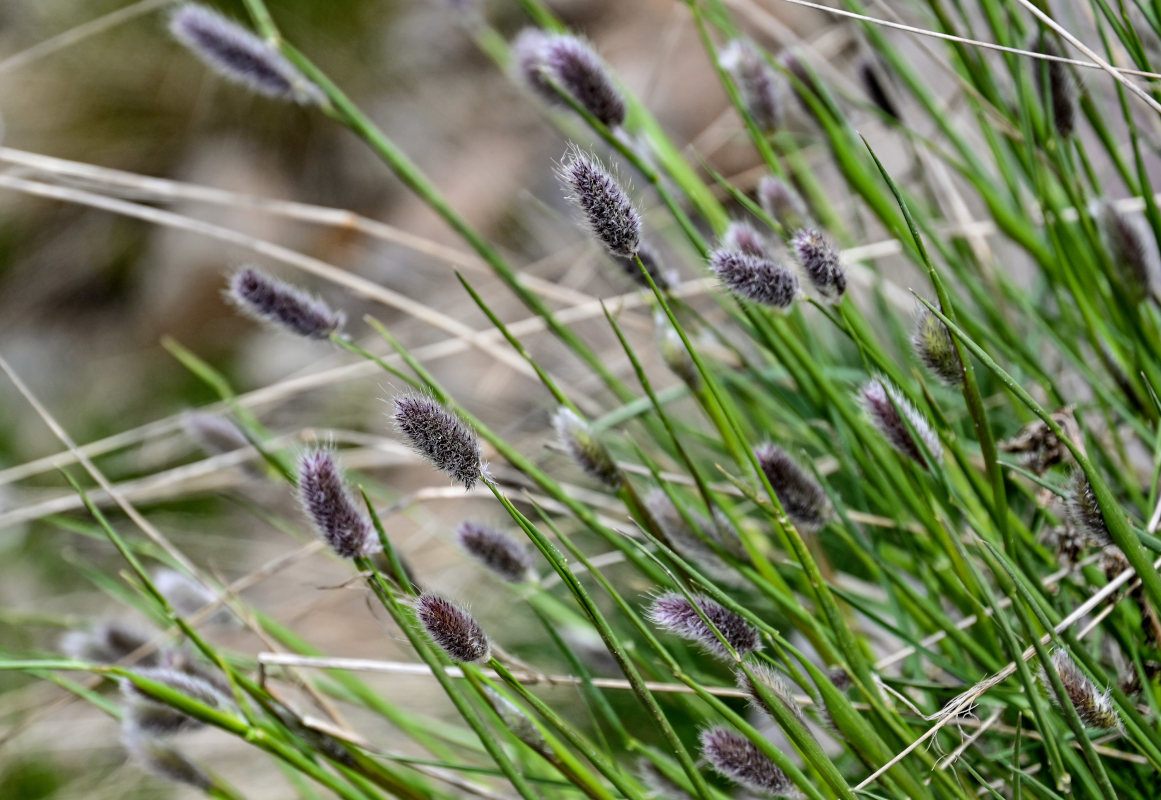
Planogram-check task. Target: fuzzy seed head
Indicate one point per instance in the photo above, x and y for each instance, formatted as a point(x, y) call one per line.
point(441, 437)
point(756, 279)
point(606, 208)
point(1094, 707)
point(934, 346)
point(651, 260)
point(775, 685)
point(1061, 88)
point(528, 63)
point(585, 448)
point(577, 69)
point(154, 716)
point(239, 56)
point(735, 757)
point(820, 262)
point(188, 597)
point(804, 84)
point(876, 89)
point(495, 550)
point(107, 643)
point(516, 720)
point(782, 203)
point(214, 435)
point(757, 83)
point(336, 517)
point(743, 238)
point(1083, 513)
point(265, 299)
point(1133, 252)
point(803, 500)
point(452, 629)
point(162, 759)
point(672, 612)
point(886, 406)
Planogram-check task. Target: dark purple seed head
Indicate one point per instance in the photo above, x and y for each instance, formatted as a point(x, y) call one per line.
point(441, 437)
point(528, 62)
point(934, 346)
point(883, 405)
point(1094, 707)
point(774, 684)
point(107, 643)
point(452, 629)
point(735, 757)
point(337, 518)
point(586, 449)
point(239, 56)
point(1083, 513)
point(519, 723)
point(651, 260)
point(804, 84)
point(495, 550)
point(877, 89)
point(673, 612)
point(782, 203)
point(803, 500)
point(577, 69)
point(160, 758)
point(756, 279)
point(1061, 87)
point(606, 208)
point(263, 298)
point(154, 716)
point(743, 238)
point(820, 262)
point(1133, 253)
point(757, 83)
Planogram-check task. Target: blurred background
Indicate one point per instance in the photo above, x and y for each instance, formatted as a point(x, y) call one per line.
point(93, 305)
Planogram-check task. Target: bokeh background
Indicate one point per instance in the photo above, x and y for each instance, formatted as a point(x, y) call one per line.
point(93, 304)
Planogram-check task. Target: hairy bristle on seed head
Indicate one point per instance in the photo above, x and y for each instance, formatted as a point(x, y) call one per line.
point(735, 757)
point(514, 718)
point(770, 682)
point(782, 203)
point(887, 408)
point(441, 437)
point(158, 718)
point(337, 518)
point(756, 279)
point(452, 629)
point(188, 596)
point(1132, 251)
point(606, 207)
point(1094, 707)
point(932, 343)
point(757, 83)
point(586, 449)
point(744, 238)
point(1083, 513)
point(1061, 87)
point(820, 262)
point(673, 612)
point(577, 69)
point(107, 643)
point(162, 759)
point(495, 550)
point(274, 302)
point(803, 500)
point(239, 56)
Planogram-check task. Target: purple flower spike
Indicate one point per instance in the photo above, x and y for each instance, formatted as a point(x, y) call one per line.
point(757, 83)
point(743, 238)
point(735, 757)
point(543, 59)
point(454, 630)
point(336, 517)
point(498, 552)
point(756, 279)
point(441, 437)
point(883, 405)
point(803, 500)
point(674, 613)
point(607, 209)
point(820, 262)
point(263, 298)
point(239, 56)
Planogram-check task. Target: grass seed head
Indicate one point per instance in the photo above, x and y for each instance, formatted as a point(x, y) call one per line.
point(441, 437)
point(803, 500)
point(586, 449)
point(452, 629)
point(1083, 513)
point(239, 56)
point(757, 83)
point(1094, 707)
point(495, 550)
point(265, 299)
point(757, 279)
point(735, 757)
point(336, 517)
point(773, 683)
point(156, 717)
point(577, 69)
point(672, 612)
point(606, 207)
point(934, 346)
point(162, 759)
point(820, 262)
point(782, 203)
point(886, 406)
point(1061, 88)
point(1133, 252)
point(742, 237)
point(107, 643)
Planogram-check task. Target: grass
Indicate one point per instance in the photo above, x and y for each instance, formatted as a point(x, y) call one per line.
point(911, 628)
